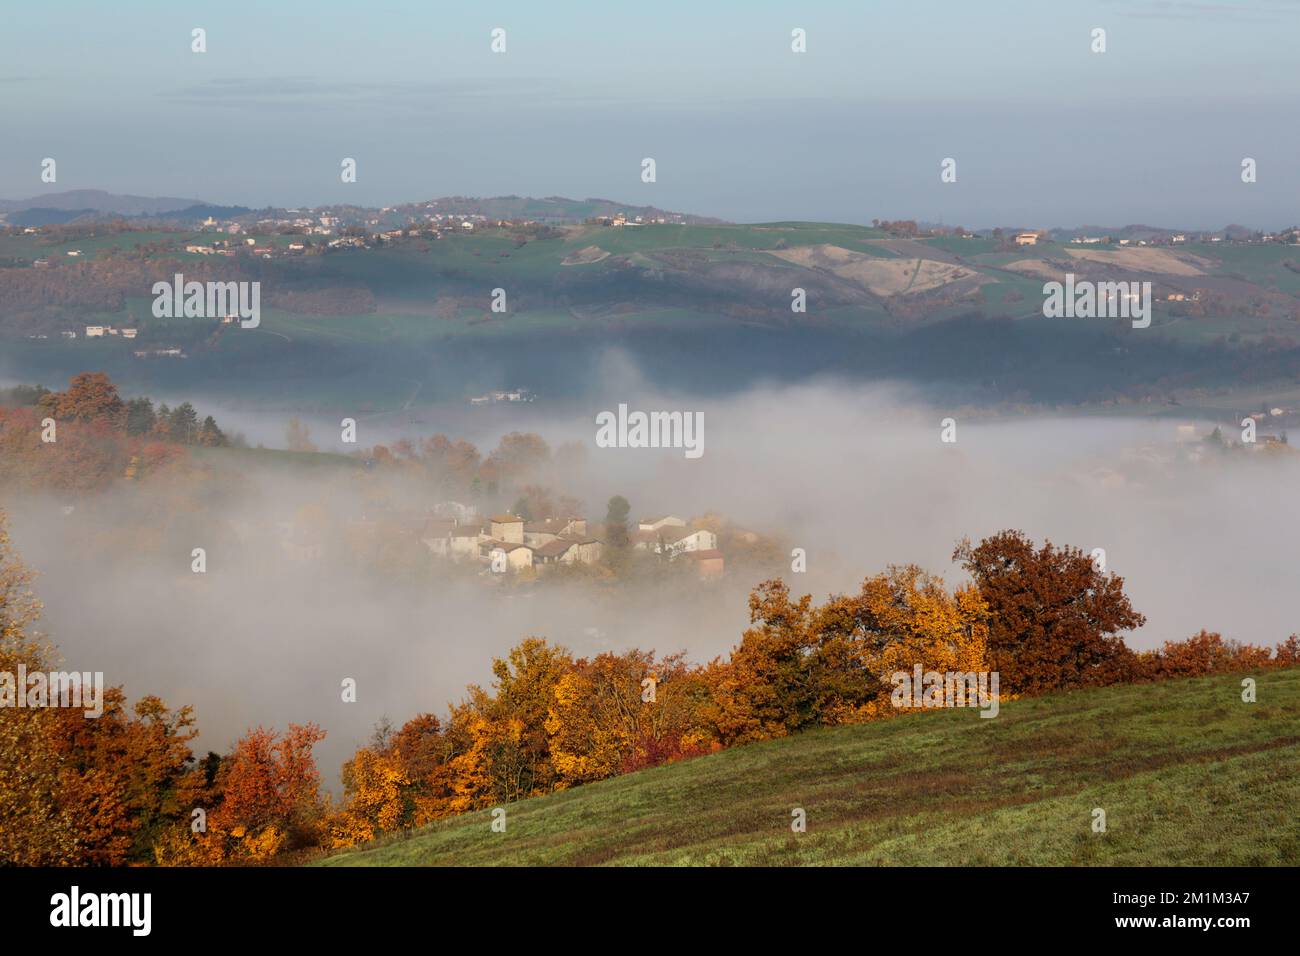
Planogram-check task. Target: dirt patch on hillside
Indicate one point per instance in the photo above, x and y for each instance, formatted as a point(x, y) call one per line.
point(882, 277)
point(914, 249)
point(1038, 268)
point(584, 256)
point(1160, 261)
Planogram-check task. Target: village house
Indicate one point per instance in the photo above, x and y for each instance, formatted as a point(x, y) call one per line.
point(462, 543)
point(1026, 238)
point(674, 540)
point(436, 536)
point(94, 331)
point(506, 527)
point(517, 555)
point(586, 550)
point(557, 551)
point(544, 532)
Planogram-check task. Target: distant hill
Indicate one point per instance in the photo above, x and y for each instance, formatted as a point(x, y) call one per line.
point(553, 209)
point(1188, 776)
point(961, 312)
point(45, 216)
point(201, 211)
point(97, 200)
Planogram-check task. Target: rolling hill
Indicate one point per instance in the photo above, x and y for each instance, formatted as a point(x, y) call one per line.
point(959, 314)
point(1186, 773)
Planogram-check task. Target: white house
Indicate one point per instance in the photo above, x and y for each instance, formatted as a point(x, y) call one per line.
point(674, 540)
point(654, 524)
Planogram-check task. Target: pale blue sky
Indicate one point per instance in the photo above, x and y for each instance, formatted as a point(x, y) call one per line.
point(1044, 131)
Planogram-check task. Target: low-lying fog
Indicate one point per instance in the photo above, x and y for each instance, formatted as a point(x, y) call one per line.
point(856, 475)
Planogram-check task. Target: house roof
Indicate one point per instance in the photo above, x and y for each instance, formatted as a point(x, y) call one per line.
point(505, 519)
point(491, 544)
point(549, 526)
point(554, 549)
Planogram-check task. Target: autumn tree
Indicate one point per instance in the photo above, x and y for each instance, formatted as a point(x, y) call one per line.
point(900, 618)
point(270, 795)
point(124, 776)
point(90, 397)
point(510, 755)
point(78, 789)
point(1055, 617)
point(451, 465)
point(763, 690)
point(36, 829)
point(621, 712)
point(518, 454)
point(374, 786)
point(1207, 652)
point(800, 665)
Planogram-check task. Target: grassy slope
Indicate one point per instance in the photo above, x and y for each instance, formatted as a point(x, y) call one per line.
point(1186, 772)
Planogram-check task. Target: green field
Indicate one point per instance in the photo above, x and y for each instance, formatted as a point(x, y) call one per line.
point(1186, 773)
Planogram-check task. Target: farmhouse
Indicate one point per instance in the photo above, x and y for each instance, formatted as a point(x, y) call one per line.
point(1027, 239)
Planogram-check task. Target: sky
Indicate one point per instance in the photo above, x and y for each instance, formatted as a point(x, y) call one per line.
point(1044, 131)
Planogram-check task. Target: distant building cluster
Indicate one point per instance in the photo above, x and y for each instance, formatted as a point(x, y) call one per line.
point(99, 331)
point(507, 543)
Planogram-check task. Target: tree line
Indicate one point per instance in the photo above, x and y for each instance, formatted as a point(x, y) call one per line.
point(97, 435)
